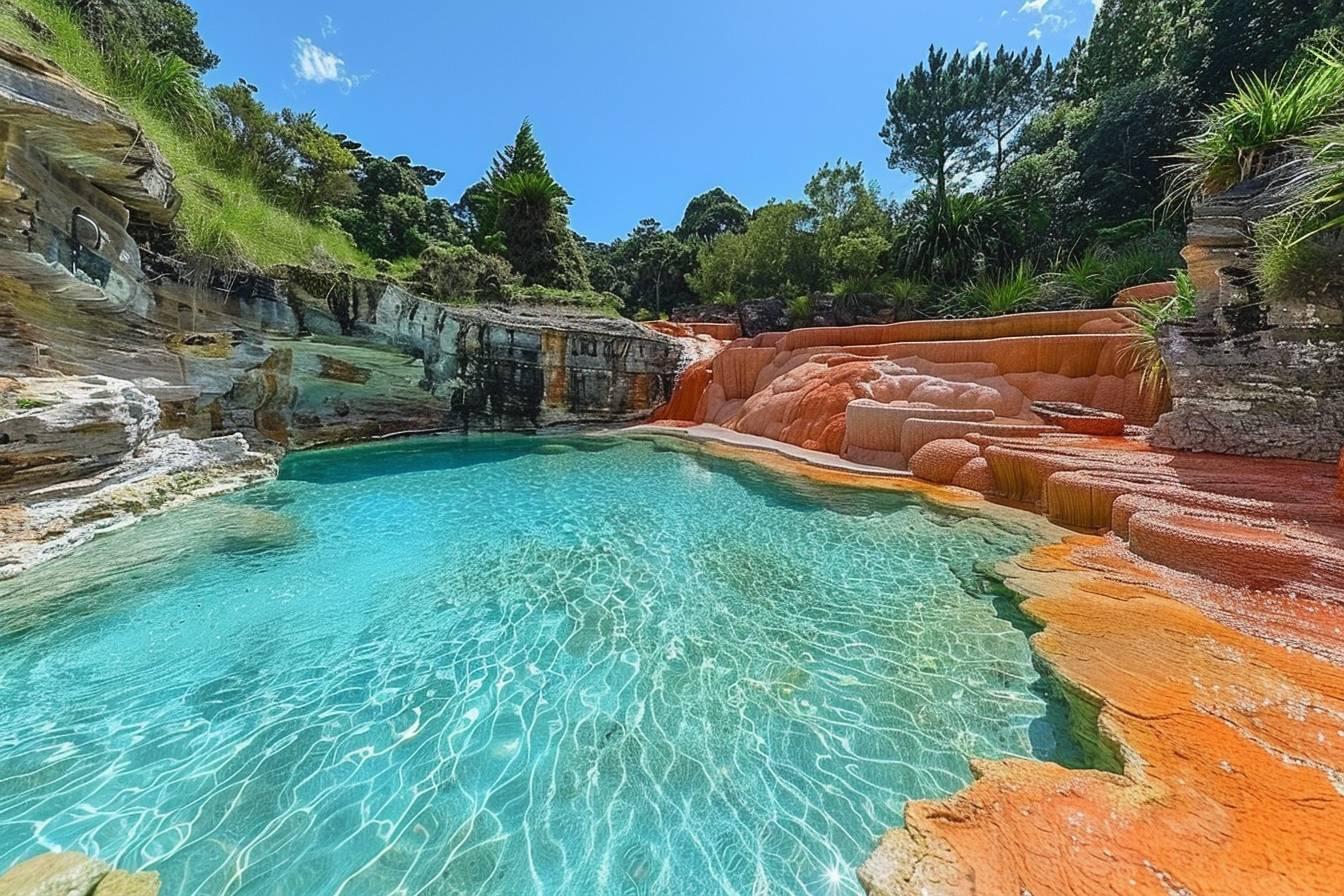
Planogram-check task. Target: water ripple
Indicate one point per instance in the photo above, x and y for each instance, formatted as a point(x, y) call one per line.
point(417, 671)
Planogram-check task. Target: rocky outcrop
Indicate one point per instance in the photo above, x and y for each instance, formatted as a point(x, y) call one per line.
point(1250, 376)
point(54, 428)
point(75, 168)
point(82, 455)
point(303, 358)
point(74, 874)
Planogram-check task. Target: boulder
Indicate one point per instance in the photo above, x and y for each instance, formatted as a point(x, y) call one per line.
point(124, 883)
point(54, 428)
point(54, 874)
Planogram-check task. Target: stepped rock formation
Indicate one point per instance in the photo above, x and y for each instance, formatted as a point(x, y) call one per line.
point(1251, 376)
point(878, 393)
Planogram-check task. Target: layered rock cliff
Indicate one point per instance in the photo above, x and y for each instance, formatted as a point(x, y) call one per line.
point(113, 355)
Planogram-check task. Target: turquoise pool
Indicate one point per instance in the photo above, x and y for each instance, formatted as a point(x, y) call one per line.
point(508, 666)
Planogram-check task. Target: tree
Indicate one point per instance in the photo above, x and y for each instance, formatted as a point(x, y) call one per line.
point(933, 121)
point(519, 211)
point(522, 155)
point(776, 256)
point(323, 165)
point(853, 228)
point(530, 216)
point(479, 207)
point(158, 26)
point(647, 268)
point(712, 214)
point(657, 263)
point(1202, 42)
point(392, 217)
point(1013, 87)
point(1122, 157)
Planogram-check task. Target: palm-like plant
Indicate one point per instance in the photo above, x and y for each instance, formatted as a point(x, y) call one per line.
point(1244, 135)
point(533, 193)
point(1144, 349)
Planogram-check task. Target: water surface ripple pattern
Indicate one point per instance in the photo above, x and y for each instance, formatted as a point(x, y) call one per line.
point(509, 666)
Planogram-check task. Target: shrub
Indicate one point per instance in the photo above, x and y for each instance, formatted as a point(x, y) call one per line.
point(801, 309)
point(1244, 134)
point(1092, 279)
point(1293, 259)
point(1011, 291)
point(604, 303)
point(463, 274)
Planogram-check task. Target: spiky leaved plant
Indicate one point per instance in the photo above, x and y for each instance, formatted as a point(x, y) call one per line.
point(1245, 133)
point(1144, 350)
point(1017, 289)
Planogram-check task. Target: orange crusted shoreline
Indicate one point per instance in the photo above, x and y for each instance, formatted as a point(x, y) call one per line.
point(1222, 702)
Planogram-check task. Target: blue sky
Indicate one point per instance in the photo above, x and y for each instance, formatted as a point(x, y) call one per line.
point(639, 106)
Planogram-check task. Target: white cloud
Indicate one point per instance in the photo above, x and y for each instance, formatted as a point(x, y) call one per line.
point(1035, 33)
point(1096, 5)
point(312, 63)
point(328, 26)
point(1033, 5)
point(981, 47)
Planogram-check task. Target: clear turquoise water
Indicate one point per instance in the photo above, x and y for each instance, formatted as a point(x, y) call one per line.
point(509, 666)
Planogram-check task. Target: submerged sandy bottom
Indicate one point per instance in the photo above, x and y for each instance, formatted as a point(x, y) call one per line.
point(507, 666)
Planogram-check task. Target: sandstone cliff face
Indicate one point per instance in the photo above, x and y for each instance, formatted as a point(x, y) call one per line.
point(1250, 376)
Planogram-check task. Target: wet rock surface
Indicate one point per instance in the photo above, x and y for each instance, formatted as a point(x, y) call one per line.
point(74, 874)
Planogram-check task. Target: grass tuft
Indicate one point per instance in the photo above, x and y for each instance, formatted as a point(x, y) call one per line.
point(1244, 135)
point(224, 218)
point(1014, 290)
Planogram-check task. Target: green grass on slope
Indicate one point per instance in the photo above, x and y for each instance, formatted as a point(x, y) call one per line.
point(223, 216)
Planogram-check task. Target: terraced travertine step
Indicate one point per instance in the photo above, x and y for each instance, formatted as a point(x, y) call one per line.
point(873, 428)
point(918, 431)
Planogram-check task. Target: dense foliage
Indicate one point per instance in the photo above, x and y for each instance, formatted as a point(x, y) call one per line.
point(1040, 183)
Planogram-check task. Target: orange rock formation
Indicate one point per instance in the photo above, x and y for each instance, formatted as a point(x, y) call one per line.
point(802, 387)
point(1204, 630)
